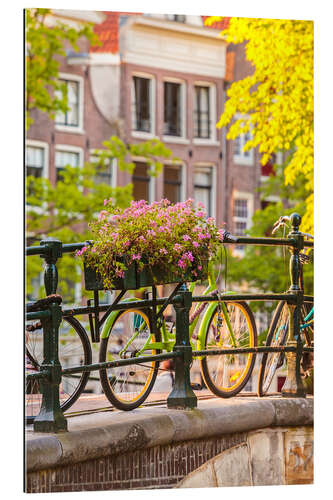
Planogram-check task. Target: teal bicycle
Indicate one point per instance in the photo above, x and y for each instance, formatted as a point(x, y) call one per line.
point(279, 327)
point(128, 334)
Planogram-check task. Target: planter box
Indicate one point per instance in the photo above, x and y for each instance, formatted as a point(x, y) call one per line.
point(135, 279)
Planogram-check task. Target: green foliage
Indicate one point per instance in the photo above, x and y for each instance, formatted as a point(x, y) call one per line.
point(275, 102)
point(266, 269)
point(64, 210)
point(44, 45)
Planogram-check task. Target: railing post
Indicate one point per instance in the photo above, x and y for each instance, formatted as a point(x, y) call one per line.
point(293, 386)
point(50, 417)
point(182, 395)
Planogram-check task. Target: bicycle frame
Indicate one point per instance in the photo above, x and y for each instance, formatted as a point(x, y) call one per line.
point(168, 338)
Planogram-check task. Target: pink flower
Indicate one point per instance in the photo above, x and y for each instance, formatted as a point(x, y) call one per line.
point(177, 247)
point(195, 244)
point(120, 274)
point(93, 249)
point(163, 250)
point(181, 264)
point(136, 256)
point(103, 214)
point(189, 256)
point(186, 237)
point(80, 252)
point(201, 236)
point(222, 233)
point(199, 268)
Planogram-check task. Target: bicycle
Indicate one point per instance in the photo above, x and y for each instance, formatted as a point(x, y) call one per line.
point(74, 347)
point(278, 329)
point(224, 324)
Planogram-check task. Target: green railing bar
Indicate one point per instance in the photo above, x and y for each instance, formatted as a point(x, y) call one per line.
point(37, 375)
point(243, 350)
point(159, 357)
point(72, 247)
point(288, 297)
point(121, 362)
point(38, 314)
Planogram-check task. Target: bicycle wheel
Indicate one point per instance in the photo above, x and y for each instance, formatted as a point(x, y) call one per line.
point(226, 374)
point(127, 387)
point(277, 336)
point(74, 349)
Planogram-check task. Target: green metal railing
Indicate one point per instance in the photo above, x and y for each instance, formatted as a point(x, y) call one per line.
point(182, 396)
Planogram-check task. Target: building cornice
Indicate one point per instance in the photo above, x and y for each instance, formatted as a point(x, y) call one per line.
point(178, 27)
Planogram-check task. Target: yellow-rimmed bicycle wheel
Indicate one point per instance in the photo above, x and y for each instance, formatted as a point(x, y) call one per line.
point(227, 374)
point(127, 387)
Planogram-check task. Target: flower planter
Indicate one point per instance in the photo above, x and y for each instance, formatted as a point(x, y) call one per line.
point(134, 279)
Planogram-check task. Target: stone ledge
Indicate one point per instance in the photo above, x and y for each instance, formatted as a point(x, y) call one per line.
point(111, 433)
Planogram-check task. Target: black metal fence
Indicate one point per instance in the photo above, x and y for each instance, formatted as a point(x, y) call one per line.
point(182, 396)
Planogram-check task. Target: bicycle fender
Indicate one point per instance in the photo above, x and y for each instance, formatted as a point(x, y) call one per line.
point(111, 319)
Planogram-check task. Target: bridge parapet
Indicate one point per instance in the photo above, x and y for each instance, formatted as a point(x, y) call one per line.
point(159, 447)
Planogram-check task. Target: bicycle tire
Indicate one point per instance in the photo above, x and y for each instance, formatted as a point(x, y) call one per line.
point(71, 386)
point(224, 365)
point(122, 385)
point(277, 336)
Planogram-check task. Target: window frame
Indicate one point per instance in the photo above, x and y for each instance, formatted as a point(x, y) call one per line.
point(66, 148)
point(212, 168)
point(182, 138)
point(152, 179)
point(114, 165)
point(152, 103)
point(73, 128)
point(42, 145)
point(182, 167)
point(249, 197)
point(241, 159)
point(212, 139)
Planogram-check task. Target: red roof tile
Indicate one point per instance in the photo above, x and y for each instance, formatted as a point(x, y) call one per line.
point(108, 32)
point(220, 25)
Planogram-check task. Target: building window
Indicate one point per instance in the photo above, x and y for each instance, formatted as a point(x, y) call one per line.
point(105, 174)
point(203, 188)
point(240, 208)
point(71, 116)
point(201, 112)
point(242, 157)
point(142, 103)
point(241, 215)
point(176, 17)
point(35, 161)
point(173, 109)
point(64, 158)
point(141, 182)
point(172, 189)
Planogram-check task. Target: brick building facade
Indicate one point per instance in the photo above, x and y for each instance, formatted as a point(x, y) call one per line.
point(154, 76)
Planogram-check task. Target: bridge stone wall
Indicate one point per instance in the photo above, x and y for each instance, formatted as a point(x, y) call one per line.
point(161, 448)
